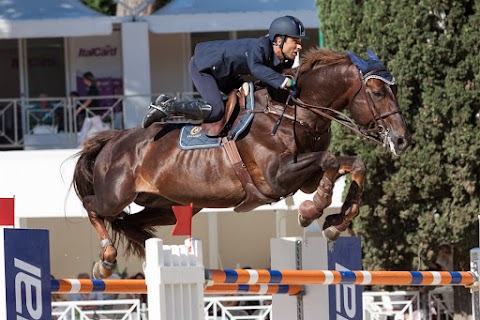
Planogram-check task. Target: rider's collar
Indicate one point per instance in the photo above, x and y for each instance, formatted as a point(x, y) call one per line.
point(276, 61)
point(287, 63)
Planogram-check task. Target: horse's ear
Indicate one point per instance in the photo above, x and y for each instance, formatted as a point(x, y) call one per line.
point(356, 60)
point(372, 55)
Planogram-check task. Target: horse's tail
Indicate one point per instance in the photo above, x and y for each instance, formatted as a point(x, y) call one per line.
point(83, 174)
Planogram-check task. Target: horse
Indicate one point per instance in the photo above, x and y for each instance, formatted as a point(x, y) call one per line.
point(145, 166)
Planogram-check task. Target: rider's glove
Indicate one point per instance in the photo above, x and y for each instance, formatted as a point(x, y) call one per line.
point(294, 90)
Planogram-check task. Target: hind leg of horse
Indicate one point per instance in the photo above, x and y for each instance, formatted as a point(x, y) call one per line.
point(109, 252)
point(110, 206)
point(337, 223)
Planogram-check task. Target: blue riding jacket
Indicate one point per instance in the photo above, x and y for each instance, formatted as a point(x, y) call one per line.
point(227, 59)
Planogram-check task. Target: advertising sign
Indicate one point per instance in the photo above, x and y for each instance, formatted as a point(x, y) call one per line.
point(26, 274)
point(345, 300)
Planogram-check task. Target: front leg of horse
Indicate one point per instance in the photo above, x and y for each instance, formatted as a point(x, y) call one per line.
point(310, 210)
point(105, 267)
point(337, 223)
point(317, 163)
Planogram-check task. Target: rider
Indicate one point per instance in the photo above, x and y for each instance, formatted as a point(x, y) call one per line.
point(217, 66)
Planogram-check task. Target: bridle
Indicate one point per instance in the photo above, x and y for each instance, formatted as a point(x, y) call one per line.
point(376, 125)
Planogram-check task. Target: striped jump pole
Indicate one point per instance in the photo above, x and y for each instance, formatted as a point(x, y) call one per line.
point(254, 289)
point(70, 286)
point(327, 277)
point(67, 286)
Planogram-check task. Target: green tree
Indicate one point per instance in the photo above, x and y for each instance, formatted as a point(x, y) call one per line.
point(107, 7)
point(123, 7)
point(431, 195)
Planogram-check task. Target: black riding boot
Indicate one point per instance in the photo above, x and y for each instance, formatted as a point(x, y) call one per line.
point(156, 112)
point(195, 110)
point(166, 106)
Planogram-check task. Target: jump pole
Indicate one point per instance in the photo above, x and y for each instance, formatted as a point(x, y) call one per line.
point(70, 286)
point(333, 277)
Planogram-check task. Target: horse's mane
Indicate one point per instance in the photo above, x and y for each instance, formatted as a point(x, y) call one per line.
point(316, 56)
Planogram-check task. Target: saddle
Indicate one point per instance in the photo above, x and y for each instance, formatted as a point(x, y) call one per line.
point(235, 103)
point(238, 116)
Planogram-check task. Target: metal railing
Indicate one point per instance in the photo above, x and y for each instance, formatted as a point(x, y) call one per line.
point(379, 305)
point(384, 305)
point(248, 307)
point(24, 124)
point(440, 302)
point(124, 309)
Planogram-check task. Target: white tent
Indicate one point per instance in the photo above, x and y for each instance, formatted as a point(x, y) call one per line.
point(183, 16)
point(51, 18)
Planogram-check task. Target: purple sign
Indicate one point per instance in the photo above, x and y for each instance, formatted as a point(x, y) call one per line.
point(27, 274)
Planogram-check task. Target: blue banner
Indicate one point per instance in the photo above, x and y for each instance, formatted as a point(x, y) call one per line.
point(345, 301)
point(27, 274)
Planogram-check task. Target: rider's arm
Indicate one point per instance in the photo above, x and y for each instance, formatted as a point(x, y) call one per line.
point(257, 63)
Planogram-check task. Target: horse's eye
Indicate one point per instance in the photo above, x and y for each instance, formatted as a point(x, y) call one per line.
point(378, 94)
point(394, 90)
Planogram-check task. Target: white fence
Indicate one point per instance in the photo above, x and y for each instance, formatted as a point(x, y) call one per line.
point(251, 307)
point(128, 309)
point(381, 305)
point(384, 305)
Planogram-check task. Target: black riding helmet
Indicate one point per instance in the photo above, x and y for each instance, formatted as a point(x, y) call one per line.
point(286, 26)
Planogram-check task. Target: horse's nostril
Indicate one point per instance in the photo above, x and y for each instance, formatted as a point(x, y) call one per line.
point(402, 142)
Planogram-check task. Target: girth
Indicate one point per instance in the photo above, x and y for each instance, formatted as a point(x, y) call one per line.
point(253, 196)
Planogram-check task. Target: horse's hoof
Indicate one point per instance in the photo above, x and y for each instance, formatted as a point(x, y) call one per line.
point(99, 272)
point(309, 211)
point(331, 234)
point(304, 222)
point(333, 220)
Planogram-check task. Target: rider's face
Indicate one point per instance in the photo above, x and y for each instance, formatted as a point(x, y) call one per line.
point(292, 47)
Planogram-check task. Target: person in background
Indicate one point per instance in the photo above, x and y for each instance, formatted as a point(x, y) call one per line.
point(74, 104)
point(142, 297)
point(111, 296)
point(91, 83)
point(93, 121)
point(42, 112)
point(445, 257)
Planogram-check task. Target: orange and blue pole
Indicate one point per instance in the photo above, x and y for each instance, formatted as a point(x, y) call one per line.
point(70, 286)
point(326, 277)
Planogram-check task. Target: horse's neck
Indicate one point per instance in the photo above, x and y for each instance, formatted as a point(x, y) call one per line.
point(329, 86)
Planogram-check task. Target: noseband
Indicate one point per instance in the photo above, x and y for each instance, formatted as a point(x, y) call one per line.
point(349, 123)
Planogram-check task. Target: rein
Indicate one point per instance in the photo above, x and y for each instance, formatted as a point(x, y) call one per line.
point(340, 118)
point(348, 122)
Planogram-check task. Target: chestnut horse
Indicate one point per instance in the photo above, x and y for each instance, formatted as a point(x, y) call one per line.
point(146, 166)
